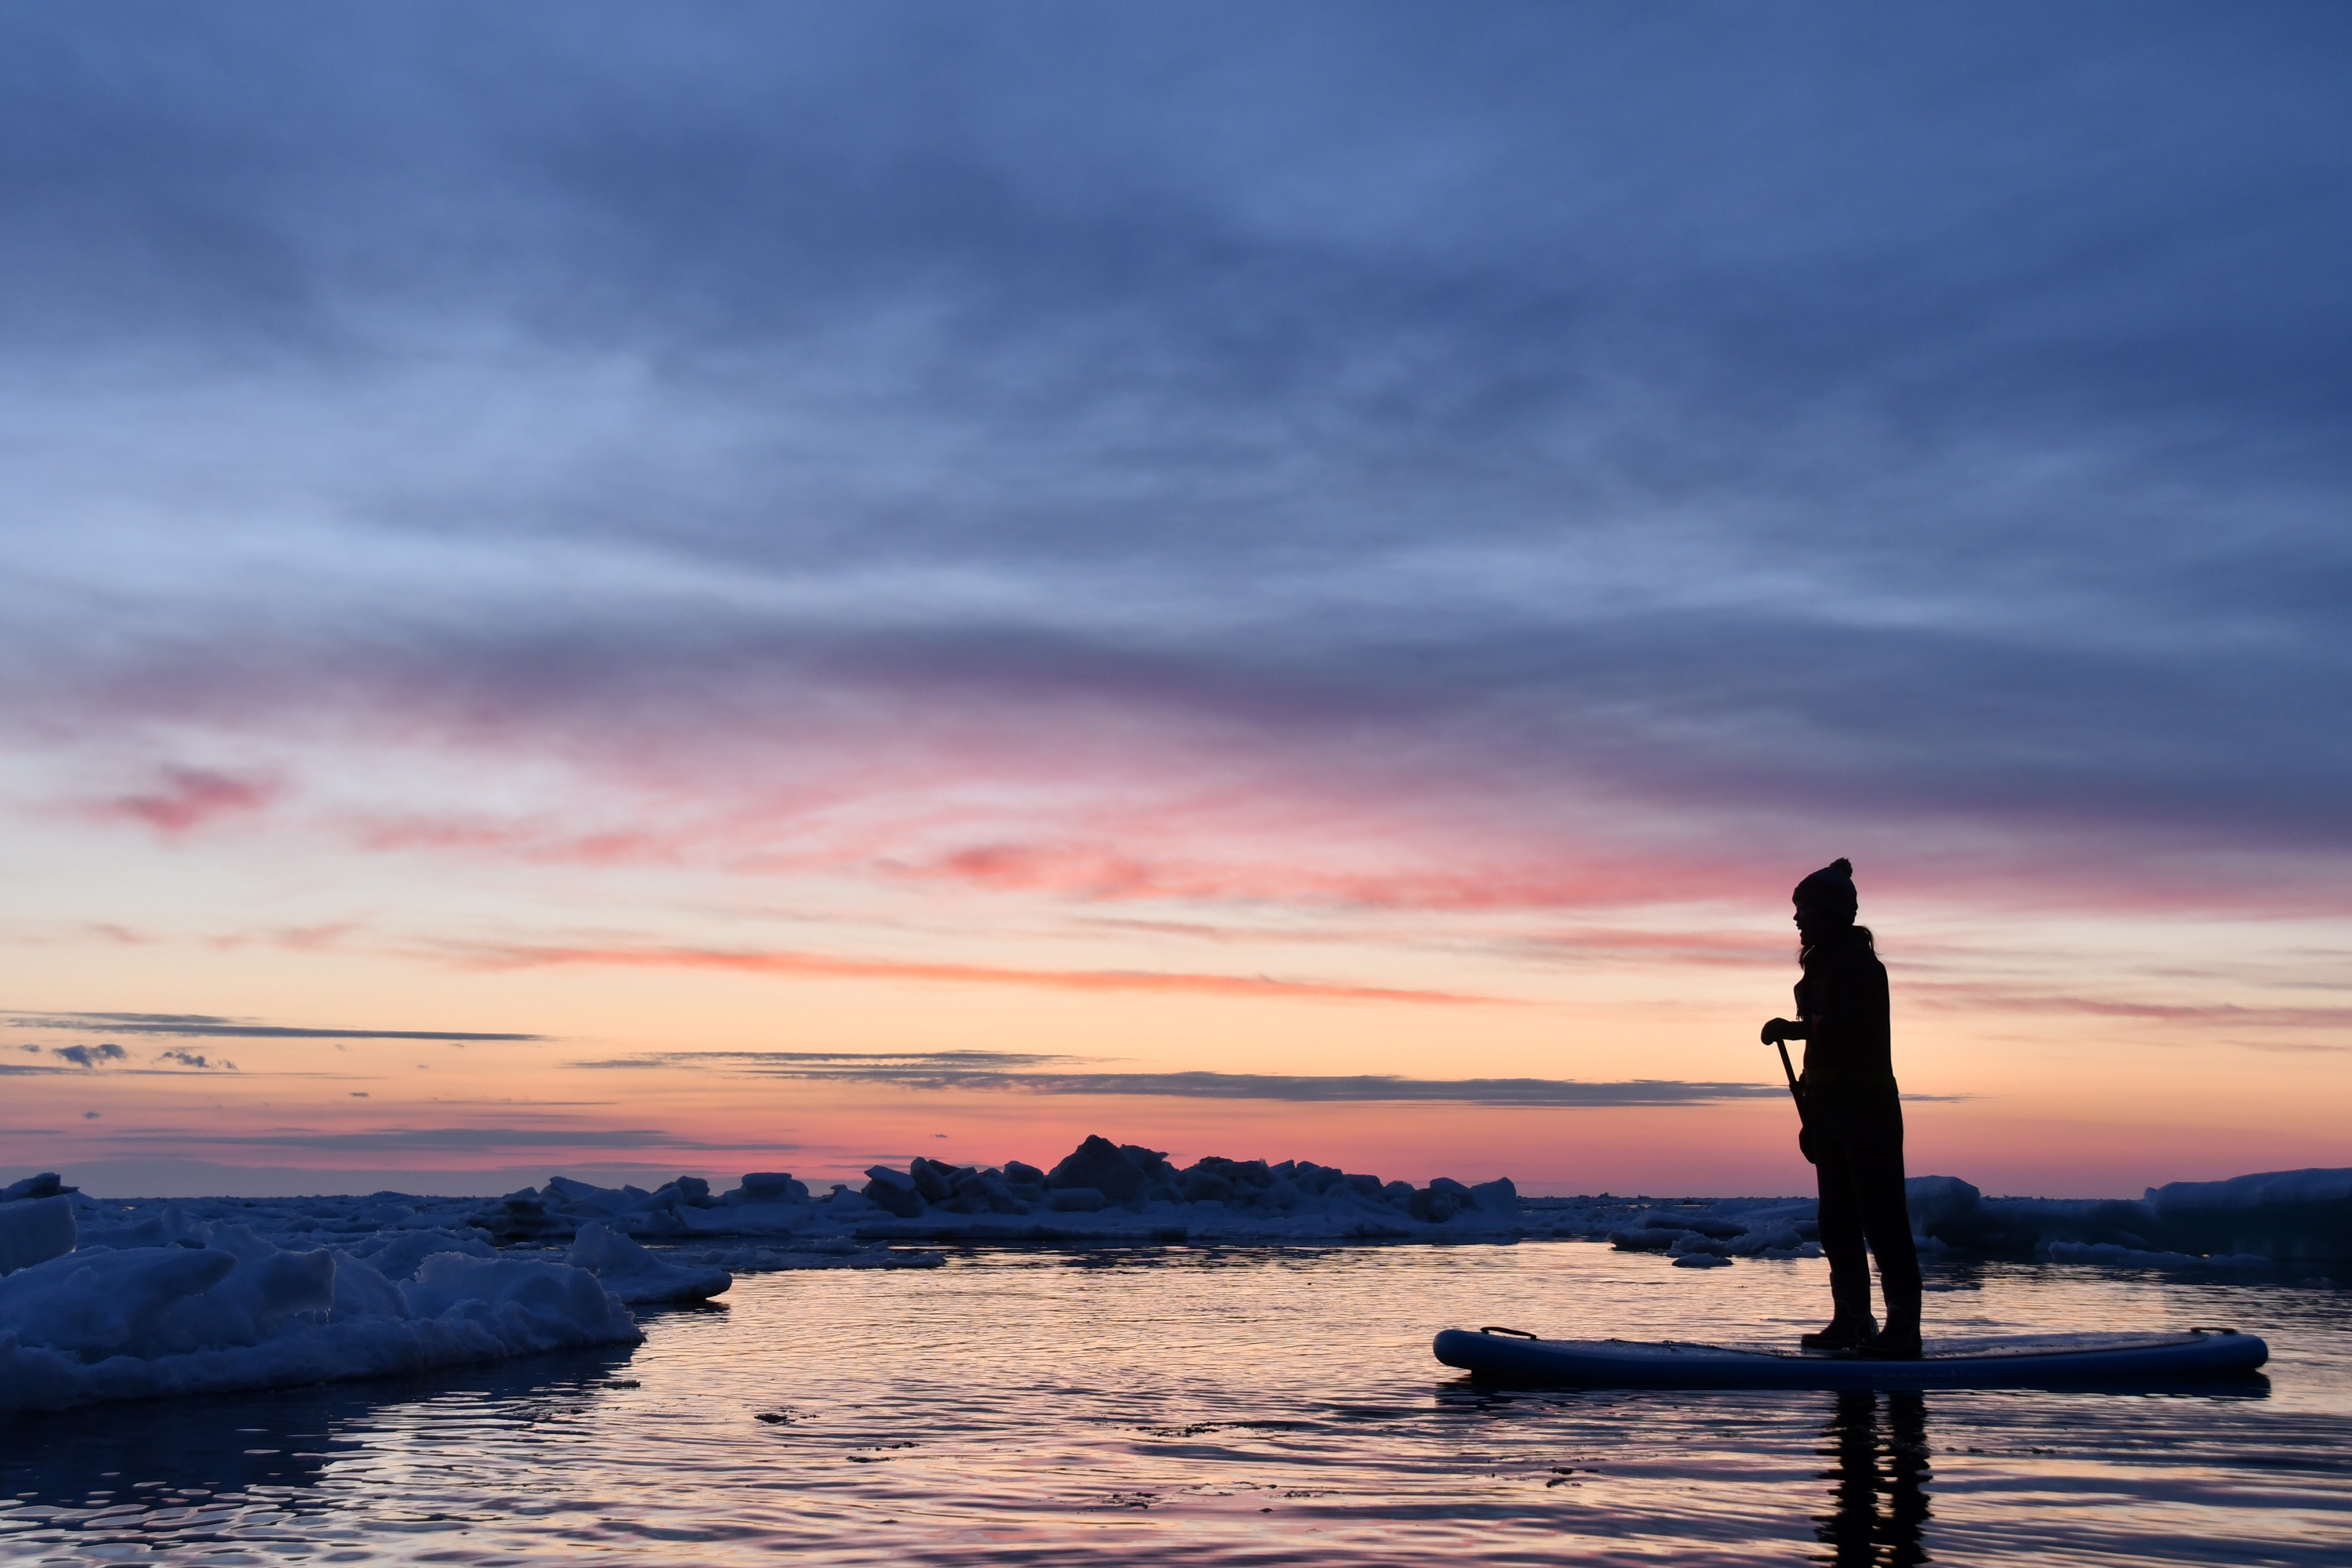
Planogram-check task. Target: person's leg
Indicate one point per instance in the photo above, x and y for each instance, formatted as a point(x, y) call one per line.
point(1874, 1149)
point(1841, 1242)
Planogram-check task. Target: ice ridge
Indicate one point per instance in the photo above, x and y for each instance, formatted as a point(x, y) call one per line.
point(195, 1307)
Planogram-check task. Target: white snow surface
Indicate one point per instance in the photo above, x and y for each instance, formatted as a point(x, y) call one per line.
point(34, 1231)
point(636, 1274)
point(212, 1305)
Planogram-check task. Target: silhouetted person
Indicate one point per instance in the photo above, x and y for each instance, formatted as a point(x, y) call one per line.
point(1852, 1120)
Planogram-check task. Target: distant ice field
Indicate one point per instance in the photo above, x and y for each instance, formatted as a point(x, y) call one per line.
point(1212, 1405)
point(124, 1300)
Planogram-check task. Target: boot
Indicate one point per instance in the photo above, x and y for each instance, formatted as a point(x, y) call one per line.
point(1851, 1327)
point(1846, 1331)
point(1893, 1344)
point(1899, 1341)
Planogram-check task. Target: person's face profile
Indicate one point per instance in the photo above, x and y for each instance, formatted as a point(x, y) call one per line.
point(1817, 921)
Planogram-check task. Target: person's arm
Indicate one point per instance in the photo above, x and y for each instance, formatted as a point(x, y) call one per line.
point(1780, 1030)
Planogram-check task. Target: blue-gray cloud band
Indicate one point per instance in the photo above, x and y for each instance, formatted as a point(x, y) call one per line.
point(197, 1026)
point(1889, 415)
point(977, 1070)
point(386, 1138)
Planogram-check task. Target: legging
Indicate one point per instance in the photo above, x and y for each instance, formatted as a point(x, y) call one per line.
point(1856, 1135)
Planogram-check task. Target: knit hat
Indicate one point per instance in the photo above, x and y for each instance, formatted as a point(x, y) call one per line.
point(1832, 887)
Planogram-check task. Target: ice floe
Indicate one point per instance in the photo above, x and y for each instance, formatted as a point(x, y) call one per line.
point(106, 1299)
point(34, 1232)
point(636, 1276)
point(2247, 1222)
point(2277, 1217)
point(2291, 1215)
point(1103, 1193)
point(2115, 1255)
point(195, 1306)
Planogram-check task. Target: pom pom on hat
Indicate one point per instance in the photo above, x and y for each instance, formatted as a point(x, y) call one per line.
point(1831, 885)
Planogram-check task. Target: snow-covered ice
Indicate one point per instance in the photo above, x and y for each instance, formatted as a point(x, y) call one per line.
point(207, 1307)
point(120, 1299)
point(2247, 1222)
point(2282, 1217)
point(34, 1232)
point(1103, 1193)
point(2118, 1256)
point(2286, 1214)
point(636, 1276)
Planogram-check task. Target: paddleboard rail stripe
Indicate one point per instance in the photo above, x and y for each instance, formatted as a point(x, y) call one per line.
point(2032, 1360)
point(1965, 1350)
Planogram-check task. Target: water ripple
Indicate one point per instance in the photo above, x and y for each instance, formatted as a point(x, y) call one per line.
point(1227, 1408)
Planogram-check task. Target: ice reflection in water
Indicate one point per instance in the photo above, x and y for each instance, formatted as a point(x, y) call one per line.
point(1182, 1407)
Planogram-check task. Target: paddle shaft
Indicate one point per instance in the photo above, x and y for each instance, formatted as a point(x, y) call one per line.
point(1804, 1144)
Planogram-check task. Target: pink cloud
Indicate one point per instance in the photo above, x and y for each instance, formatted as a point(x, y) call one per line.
point(536, 840)
point(1560, 877)
point(1964, 996)
point(184, 799)
point(810, 965)
point(1160, 802)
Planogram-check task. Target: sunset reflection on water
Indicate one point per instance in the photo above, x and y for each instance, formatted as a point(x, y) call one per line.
point(1181, 1406)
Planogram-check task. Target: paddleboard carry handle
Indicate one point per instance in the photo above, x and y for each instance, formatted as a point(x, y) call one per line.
point(1513, 1333)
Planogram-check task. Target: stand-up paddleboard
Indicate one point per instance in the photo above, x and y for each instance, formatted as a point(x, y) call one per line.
point(1512, 1357)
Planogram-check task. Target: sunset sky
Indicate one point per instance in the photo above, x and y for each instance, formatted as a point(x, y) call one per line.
point(629, 589)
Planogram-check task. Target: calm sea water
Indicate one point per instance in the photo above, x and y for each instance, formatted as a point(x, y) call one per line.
point(1183, 1407)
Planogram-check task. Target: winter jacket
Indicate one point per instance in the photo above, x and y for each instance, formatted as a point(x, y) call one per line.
point(1842, 999)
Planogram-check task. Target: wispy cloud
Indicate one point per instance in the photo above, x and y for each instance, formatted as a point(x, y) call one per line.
point(1737, 949)
point(92, 1055)
point(1034, 1075)
point(1991, 998)
point(183, 798)
point(199, 1026)
point(182, 1057)
point(377, 1140)
point(824, 966)
point(1405, 528)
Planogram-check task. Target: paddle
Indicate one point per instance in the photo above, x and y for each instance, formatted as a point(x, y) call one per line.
point(1804, 1134)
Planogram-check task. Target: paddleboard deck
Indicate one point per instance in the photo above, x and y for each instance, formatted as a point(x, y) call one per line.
point(2025, 1360)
